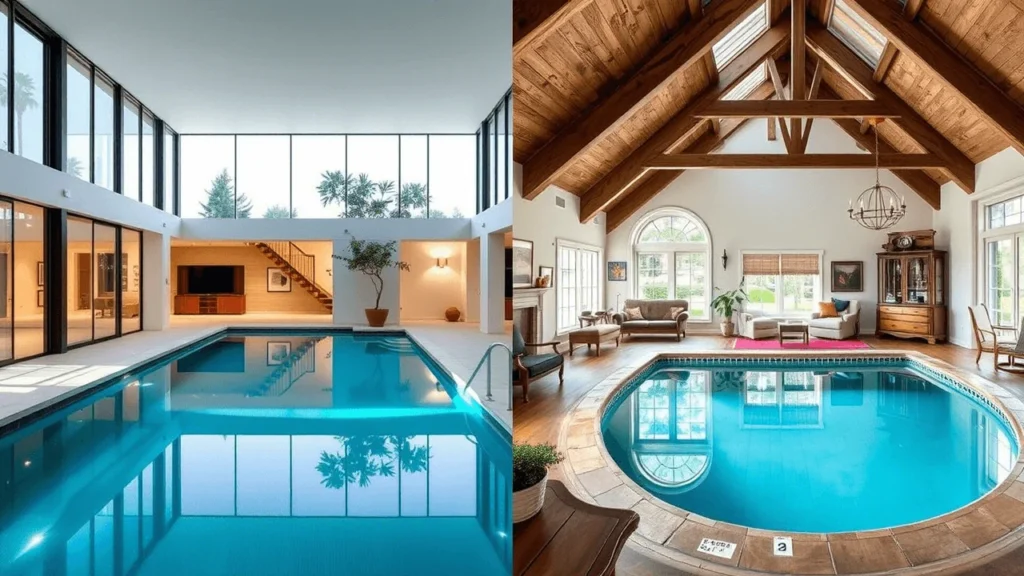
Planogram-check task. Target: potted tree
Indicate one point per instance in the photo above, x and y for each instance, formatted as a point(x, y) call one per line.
point(726, 304)
point(373, 258)
point(530, 464)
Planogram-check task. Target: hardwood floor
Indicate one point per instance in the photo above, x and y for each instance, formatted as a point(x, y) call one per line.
point(539, 420)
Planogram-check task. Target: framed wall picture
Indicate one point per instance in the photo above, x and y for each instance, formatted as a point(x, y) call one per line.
point(616, 271)
point(549, 273)
point(278, 281)
point(278, 353)
point(848, 276)
point(40, 299)
point(40, 273)
point(522, 263)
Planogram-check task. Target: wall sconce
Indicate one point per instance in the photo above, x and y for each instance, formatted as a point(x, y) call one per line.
point(725, 259)
point(441, 264)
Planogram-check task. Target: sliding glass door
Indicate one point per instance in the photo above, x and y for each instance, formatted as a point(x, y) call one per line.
point(7, 283)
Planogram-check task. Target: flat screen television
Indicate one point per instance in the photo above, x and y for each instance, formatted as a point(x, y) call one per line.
point(211, 280)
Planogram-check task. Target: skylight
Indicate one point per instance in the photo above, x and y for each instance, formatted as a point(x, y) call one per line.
point(741, 36)
point(750, 82)
point(856, 33)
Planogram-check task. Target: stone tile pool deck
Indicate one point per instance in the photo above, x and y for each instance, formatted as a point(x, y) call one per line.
point(957, 540)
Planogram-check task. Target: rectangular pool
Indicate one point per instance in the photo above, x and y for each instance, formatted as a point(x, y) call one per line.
point(278, 453)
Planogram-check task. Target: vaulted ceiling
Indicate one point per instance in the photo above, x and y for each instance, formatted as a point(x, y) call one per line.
point(605, 89)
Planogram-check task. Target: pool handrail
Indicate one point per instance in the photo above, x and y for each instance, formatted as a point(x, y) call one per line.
point(487, 357)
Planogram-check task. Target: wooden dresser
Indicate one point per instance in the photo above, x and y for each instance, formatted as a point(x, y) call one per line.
point(912, 287)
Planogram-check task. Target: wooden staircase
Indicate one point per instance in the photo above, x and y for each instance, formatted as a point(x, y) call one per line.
point(299, 266)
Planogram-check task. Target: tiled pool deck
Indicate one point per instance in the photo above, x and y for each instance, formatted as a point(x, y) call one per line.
point(27, 387)
point(959, 539)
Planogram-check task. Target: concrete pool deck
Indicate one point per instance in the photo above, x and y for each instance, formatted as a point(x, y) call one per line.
point(960, 539)
point(32, 385)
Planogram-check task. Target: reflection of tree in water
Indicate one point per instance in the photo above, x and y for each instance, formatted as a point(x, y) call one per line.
point(362, 458)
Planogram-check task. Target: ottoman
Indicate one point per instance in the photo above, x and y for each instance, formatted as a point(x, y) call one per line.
point(594, 335)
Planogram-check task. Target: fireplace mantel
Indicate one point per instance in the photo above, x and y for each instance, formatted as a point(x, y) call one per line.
point(531, 301)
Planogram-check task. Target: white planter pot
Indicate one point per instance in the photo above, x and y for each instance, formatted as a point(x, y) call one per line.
point(727, 329)
point(527, 503)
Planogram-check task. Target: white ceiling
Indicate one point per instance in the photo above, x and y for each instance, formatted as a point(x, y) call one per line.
point(277, 66)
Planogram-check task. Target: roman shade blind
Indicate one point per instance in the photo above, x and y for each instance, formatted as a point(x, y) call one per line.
point(760, 264)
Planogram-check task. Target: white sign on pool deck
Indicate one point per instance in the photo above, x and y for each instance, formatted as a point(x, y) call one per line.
point(783, 546)
point(719, 548)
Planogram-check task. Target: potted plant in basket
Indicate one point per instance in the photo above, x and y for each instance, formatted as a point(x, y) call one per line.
point(530, 464)
point(726, 304)
point(373, 258)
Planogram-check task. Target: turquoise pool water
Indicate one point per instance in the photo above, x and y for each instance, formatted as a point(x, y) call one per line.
point(277, 454)
point(832, 448)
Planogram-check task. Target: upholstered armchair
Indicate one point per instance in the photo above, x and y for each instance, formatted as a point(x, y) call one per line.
point(754, 325)
point(527, 367)
point(988, 337)
point(847, 325)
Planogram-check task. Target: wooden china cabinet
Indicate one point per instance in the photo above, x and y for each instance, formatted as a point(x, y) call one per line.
point(912, 287)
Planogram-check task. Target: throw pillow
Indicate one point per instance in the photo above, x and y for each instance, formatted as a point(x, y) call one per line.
point(841, 305)
point(634, 314)
point(674, 312)
point(827, 310)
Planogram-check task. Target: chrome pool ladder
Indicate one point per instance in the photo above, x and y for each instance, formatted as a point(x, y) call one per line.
point(486, 358)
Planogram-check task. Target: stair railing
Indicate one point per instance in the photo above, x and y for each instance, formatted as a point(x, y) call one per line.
point(304, 264)
point(486, 358)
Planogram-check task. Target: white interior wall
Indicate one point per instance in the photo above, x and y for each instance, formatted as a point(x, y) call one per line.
point(542, 222)
point(957, 227)
point(473, 280)
point(777, 210)
point(427, 290)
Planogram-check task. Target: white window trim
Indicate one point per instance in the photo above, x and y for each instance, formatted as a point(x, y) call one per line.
point(671, 248)
point(821, 276)
point(601, 267)
point(984, 235)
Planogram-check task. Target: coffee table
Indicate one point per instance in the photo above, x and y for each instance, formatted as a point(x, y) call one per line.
point(793, 329)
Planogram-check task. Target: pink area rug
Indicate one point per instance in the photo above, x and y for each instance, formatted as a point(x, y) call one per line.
point(816, 344)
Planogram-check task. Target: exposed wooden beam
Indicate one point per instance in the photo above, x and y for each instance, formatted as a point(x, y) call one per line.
point(796, 109)
point(696, 9)
point(865, 125)
point(780, 94)
point(843, 60)
point(885, 62)
point(797, 79)
point(911, 9)
point(602, 194)
point(534, 19)
point(771, 128)
point(1002, 112)
point(762, 161)
point(815, 86)
point(916, 180)
point(681, 51)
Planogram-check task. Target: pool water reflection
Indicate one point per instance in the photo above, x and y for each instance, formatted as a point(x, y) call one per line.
point(284, 454)
point(830, 450)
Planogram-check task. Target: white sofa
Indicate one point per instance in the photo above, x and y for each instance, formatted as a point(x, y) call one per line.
point(755, 325)
point(847, 325)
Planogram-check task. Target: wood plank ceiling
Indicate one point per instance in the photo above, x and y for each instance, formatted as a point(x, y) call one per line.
point(576, 60)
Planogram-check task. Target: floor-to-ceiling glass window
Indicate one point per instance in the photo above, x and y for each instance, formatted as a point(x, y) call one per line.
point(452, 176)
point(4, 22)
point(207, 176)
point(1002, 245)
point(29, 87)
point(320, 176)
point(131, 281)
point(7, 282)
point(79, 280)
point(148, 151)
point(103, 137)
point(414, 192)
point(106, 274)
point(170, 169)
point(373, 166)
point(130, 149)
point(264, 177)
point(78, 106)
point(29, 280)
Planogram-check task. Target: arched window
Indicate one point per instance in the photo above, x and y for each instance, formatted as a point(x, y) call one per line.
point(672, 255)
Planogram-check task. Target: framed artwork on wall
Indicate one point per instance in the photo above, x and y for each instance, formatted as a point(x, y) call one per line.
point(40, 299)
point(278, 281)
point(522, 263)
point(40, 273)
point(278, 353)
point(616, 271)
point(848, 276)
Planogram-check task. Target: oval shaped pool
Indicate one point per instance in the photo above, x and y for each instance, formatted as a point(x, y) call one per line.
point(833, 449)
